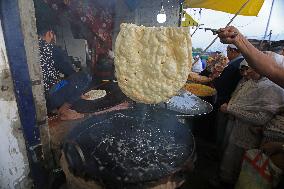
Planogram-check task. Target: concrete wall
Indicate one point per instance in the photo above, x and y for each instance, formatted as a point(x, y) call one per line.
point(145, 14)
point(14, 167)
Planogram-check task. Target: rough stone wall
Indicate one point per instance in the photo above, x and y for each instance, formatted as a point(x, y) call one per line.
point(14, 167)
point(28, 23)
point(145, 14)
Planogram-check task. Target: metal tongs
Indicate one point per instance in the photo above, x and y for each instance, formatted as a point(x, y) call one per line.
point(214, 31)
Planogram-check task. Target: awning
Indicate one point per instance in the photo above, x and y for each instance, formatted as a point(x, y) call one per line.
point(229, 6)
point(189, 21)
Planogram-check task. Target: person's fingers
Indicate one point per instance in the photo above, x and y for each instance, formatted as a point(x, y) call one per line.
point(220, 30)
point(227, 40)
point(228, 34)
point(85, 97)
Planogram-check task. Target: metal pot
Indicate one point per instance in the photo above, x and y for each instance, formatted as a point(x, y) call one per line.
point(210, 99)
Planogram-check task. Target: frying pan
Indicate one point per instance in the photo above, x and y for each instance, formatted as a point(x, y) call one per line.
point(113, 97)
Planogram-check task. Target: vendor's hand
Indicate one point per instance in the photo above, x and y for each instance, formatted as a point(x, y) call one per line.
point(271, 147)
point(256, 130)
point(85, 97)
point(229, 35)
point(209, 79)
point(224, 108)
point(122, 106)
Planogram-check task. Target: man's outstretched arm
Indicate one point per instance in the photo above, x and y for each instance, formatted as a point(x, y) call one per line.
point(261, 62)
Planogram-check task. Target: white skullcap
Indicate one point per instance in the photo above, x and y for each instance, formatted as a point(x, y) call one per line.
point(244, 63)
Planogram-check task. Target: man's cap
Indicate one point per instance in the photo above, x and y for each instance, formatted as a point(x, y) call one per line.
point(244, 63)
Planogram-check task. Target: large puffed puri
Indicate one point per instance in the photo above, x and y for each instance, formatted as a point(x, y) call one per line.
point(152, 63)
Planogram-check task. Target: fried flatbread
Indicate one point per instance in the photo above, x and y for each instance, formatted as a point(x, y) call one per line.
point(94, 94)
point(152, 63)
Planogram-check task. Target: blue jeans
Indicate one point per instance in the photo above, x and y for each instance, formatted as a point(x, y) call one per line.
point(68, 90)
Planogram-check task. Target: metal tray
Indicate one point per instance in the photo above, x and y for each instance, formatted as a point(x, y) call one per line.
point(187, 105)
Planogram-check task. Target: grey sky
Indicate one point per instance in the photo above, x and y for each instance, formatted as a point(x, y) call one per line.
point(252, 27)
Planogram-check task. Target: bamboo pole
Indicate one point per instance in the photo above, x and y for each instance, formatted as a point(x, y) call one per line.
point(242, 7)
point(267, 25)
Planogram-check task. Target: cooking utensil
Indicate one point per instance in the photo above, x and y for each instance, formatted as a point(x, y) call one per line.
point(113, 97)
point(214, 31)
point(141, 144)
point(187, 104)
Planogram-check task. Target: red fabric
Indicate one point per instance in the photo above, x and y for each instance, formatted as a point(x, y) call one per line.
point(260, 169)
point(97, 15)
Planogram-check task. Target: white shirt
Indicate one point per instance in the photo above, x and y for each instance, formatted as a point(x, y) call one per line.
point(197, 67)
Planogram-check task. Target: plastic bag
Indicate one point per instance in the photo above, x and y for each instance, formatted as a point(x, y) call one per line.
point(258, 171)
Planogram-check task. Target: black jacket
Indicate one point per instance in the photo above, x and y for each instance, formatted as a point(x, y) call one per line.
point(228, 81)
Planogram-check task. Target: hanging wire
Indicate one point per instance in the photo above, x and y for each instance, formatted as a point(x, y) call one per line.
point(252, 36)
point(200, 11)
point(276, 37)
point(241, 26)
